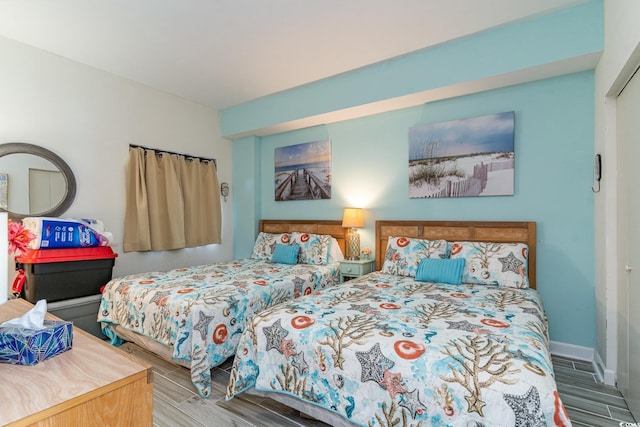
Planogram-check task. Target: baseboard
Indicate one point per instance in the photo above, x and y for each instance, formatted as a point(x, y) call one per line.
point(586, 354)
point(572, 351)
point(607, 376)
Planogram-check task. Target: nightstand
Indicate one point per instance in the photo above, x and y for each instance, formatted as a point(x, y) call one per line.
point(356, 268)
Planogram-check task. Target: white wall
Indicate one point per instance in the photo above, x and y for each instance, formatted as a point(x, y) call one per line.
point(88, 117)
point(621, 56)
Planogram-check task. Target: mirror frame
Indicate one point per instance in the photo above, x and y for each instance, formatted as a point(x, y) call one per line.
point(69, 178)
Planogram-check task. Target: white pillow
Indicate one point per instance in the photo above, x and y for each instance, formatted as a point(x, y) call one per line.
point(403, 254)
point(488, 263)
point(335, 253)
point(265, 244)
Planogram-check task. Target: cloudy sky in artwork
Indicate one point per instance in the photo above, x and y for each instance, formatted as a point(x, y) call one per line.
point(316, 153)
point(484, 134)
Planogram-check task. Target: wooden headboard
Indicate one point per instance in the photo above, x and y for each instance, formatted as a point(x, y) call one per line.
point(332, 227)
point(472, 231)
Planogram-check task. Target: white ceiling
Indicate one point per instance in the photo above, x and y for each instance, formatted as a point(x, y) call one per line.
point(223, 53)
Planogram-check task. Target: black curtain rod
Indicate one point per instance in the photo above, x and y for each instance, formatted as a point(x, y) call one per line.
point(202, 159)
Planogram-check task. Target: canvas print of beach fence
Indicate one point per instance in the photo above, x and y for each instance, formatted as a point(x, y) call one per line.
point(463, 158)
point(303, 171)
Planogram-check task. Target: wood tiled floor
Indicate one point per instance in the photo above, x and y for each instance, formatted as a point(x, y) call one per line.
point(176, 402)
point(588, 402)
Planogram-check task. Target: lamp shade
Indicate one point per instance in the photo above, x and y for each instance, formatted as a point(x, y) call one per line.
point(353, 218)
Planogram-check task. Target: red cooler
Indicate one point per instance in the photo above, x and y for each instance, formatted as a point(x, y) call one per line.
point(61, 274)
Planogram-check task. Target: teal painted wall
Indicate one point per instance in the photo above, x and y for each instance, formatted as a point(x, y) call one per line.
point(246, 194)
point(554, 150)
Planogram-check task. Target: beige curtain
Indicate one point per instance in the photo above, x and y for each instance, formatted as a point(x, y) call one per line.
point(173, 202)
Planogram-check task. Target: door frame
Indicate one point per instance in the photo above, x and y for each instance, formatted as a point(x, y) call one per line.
point(624, 224)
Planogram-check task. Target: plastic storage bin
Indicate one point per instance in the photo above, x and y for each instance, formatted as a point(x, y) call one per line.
point(82, 312)
point(61, 274)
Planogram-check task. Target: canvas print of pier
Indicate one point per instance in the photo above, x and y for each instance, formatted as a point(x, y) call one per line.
point(303, 171)
point(463, 158)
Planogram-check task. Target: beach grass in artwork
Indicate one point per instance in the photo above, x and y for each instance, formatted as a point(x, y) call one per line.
point(463, 158)
point(303, 171)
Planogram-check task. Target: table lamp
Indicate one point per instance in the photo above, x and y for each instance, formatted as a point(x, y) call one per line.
point(353, 218)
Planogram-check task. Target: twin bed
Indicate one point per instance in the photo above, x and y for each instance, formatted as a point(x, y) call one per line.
point(194, 316)
point(448, 331)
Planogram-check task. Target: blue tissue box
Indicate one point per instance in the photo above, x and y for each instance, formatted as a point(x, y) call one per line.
point(20, 346)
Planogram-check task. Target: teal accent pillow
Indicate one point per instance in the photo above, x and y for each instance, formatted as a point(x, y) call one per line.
point(440, 270)
point(285, 254)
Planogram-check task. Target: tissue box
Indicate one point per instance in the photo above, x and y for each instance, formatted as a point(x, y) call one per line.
point(29, 346)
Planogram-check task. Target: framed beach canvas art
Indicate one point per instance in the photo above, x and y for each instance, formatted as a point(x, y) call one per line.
point(303, 171)
point(463, 158)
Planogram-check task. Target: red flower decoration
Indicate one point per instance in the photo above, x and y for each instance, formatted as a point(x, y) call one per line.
point(19, 238)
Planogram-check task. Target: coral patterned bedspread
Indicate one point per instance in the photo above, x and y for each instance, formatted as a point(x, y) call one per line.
point(386, 350)
point(201, 311)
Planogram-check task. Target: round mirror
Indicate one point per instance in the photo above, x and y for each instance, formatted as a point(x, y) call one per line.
point(34, 181)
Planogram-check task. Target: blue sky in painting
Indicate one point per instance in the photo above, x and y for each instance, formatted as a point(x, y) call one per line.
point(316, 152)
point(484, 134)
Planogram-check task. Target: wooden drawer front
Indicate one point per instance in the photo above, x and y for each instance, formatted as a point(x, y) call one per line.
point(356, 268)
point(351, 269)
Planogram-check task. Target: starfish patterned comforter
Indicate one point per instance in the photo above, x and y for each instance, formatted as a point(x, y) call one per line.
point(386, 350)
point(200, 312)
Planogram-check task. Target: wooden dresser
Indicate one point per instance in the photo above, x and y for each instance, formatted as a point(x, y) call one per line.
point(93, 384)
